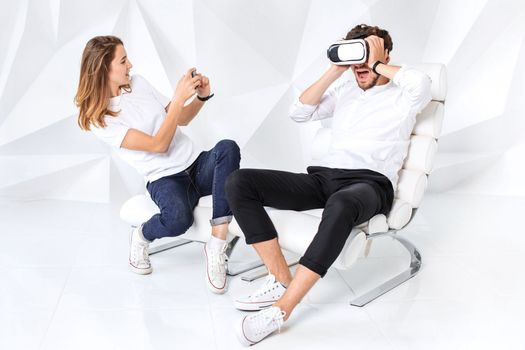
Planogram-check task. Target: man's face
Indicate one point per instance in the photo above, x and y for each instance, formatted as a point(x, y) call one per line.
point(364, 76)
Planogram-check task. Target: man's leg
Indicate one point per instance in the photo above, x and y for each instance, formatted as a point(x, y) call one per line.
point(344, 209)
point(301, 284)
point(272, 256)
point(250, 190)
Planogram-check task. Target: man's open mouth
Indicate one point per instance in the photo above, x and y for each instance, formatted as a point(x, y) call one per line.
point(362, 74)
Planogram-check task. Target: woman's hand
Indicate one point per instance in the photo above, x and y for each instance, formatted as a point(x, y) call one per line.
point(186, 87)
point(204, 89)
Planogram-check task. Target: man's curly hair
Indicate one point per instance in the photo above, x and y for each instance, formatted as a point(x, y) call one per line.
point(361, 31)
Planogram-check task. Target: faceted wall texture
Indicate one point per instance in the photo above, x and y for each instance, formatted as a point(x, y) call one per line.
point(259, 55)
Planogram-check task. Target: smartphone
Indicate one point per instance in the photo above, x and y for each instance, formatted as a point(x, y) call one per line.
point(193, 74)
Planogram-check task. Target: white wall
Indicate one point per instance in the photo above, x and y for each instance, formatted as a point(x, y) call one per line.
point(259, 55)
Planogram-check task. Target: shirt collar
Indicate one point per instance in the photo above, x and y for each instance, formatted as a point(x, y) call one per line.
point(378, 88)
point(115, 100)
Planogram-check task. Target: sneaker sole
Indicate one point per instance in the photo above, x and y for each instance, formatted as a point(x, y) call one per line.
point(213, 289)
point(239, 332)
point(140, 271)
point(252, 306)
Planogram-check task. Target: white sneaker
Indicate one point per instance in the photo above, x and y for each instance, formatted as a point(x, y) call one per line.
point(264, 297)
point(216, 267)
point(251, 329)
point(138, 253)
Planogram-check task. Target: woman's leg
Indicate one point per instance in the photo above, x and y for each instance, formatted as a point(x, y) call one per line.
point(176, 198)
point(209, 174)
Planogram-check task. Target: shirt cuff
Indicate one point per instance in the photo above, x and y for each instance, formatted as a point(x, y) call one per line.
point(120, 137)
point(399, 75)
point(298, 105)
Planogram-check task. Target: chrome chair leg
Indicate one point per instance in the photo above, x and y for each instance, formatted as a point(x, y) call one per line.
point(166, 246)
point(235, 269)
point(411, 271)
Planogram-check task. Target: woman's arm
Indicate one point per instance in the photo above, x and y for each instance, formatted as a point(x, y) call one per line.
point(160, 142)
point(190, 111)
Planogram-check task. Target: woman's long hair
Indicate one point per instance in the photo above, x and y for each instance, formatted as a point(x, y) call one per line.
point(93, 92)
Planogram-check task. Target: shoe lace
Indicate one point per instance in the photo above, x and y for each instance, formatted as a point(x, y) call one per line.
point(141, 253)
point(218, 259)
point(268, 285)
point(268, 319)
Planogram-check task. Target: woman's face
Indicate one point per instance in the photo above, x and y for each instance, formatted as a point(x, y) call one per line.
point(119, 68)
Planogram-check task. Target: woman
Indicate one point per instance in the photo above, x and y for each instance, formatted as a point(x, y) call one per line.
point(129, 114)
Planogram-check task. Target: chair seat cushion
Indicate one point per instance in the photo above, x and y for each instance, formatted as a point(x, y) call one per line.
point(140, 208)
point(297, 228)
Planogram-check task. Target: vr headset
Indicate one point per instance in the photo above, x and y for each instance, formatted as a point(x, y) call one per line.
point(353, 50)
point(346, 52)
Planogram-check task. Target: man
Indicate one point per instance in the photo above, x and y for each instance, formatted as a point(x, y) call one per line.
point(373, 118)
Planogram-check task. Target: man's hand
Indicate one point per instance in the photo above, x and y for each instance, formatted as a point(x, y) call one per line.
point(377, 50)
point(335, 71)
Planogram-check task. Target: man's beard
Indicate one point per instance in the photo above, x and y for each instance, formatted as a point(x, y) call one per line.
point(371, 84)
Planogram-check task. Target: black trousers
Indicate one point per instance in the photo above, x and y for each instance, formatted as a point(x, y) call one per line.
point(349, 198)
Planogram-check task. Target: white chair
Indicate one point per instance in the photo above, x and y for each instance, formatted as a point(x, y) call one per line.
point(141, 207)
point(297, 229)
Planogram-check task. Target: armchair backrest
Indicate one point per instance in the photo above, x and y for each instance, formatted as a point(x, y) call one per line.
point(418, 164)
point(413, 177)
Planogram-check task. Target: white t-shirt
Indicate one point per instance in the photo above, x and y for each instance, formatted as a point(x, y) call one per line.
point(144, 109)
point(371, 128)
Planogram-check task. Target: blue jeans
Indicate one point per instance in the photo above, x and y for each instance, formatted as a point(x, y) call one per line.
point(177, 195)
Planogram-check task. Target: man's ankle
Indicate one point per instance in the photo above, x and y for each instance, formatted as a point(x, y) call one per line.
point(283, 308)
point(283, 280)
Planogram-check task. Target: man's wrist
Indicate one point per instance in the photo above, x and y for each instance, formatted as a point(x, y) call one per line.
point(374, 67)
point(334, 72)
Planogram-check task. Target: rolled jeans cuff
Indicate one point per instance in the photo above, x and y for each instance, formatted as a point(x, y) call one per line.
point(221, 220)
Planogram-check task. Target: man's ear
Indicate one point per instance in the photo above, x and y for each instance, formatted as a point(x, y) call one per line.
point(387, 58)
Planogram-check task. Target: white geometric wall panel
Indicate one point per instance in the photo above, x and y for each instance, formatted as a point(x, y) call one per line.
point(259, 55)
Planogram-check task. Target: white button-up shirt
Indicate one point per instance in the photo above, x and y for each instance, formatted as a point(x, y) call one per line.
point(371, 129)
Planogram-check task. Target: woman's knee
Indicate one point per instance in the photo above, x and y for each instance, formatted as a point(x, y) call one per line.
point(177, 222)
point(228, 148)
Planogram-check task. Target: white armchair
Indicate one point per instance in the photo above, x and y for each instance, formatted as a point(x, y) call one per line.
point(297, 229)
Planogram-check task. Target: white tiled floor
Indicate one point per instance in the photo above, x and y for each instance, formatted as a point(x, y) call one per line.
point(65, 285)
